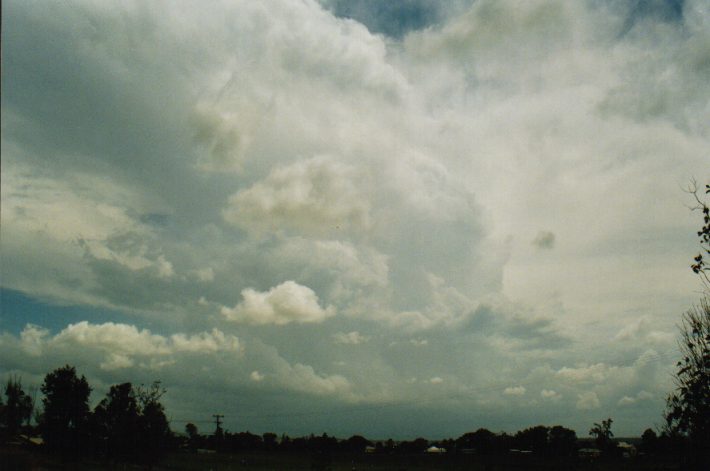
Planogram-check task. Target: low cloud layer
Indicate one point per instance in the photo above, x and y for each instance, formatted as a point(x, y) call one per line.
point(338, 205)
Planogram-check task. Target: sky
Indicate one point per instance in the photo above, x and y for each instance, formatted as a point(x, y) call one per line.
point(394, 219)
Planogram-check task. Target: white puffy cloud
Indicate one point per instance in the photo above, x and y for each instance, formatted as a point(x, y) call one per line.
point(514, 391)
point(588, 401)
point(640, 396)
point(350, 338)
point(119, 346)
point(550, 394)
point(256, 376)
point(282, 304)
point(642, 330)
point(596, 373)
point(314, 196)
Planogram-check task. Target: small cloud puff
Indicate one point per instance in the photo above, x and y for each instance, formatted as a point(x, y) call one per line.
point(205, 274)
point(514, 391)
point(596, 373)
point(641, 396)
point(544, 240)
point(350, 338)
point(550, 394)
point(436, 380)
point(282, 304)
point(587, 401)
point(256, 376)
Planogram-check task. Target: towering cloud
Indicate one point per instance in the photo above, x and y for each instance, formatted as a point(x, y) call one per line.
point(331, 204)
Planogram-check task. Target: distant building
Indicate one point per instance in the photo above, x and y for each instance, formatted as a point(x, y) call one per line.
point(435, 449)
point(627, 449)
point(589, 453)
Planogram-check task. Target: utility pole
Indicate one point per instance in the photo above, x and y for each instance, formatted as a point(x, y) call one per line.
point(218, 425)
point(218, 421)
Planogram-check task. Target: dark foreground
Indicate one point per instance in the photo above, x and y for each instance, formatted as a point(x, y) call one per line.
point(21, 459)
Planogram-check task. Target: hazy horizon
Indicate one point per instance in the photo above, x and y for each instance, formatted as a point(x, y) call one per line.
point(392, 219)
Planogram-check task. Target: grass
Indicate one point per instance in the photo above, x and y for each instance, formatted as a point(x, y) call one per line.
point(12, 459)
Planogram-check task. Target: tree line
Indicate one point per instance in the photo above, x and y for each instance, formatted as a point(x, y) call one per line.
point(128, 424)
point(540, 439)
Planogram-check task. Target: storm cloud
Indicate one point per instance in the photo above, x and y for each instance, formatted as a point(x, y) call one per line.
point(328, 207)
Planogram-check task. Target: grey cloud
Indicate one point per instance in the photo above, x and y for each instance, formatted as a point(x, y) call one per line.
point(164, 164)
point(544, 240)
point(520, 330)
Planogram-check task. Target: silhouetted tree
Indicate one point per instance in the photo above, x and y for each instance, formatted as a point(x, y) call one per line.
point(482, 440)
point(533, 438)
point(17, 408)
point(131, 423)
point(700, 265)
point(417, 445)
point(356, 444)
point(152, 423)
point(688, 407)
point(191, 430)
point(193, 436)
point(649, 441)
point(116, 421)
point(563, 441)
point(269, 441)
point(602, 434)
point(66, 410)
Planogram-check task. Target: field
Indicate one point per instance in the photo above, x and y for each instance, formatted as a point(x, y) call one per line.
point(18, 459)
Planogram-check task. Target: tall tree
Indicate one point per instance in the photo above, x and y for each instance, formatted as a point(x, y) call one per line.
point(563, 441)
point(688, 407)
point(17, 409)
point(602, 433)
point(700, 262)
point(116, 421)
point(154, 426)
point(66, 410)
point(131, 423)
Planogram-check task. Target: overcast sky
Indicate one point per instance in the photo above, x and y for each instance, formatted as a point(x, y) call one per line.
point(399, 219)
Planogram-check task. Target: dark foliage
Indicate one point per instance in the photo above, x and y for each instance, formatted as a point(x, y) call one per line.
point(562, 441)
point(688, 407)
point(649, 441)
point(65, 416)
point(15, 410)
point(153, 425)
point(356, 444)
point(115, 422)
point(130, 424)
point(482, 441)
point(700, 263)
point(602, 434)
point(533, 439)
